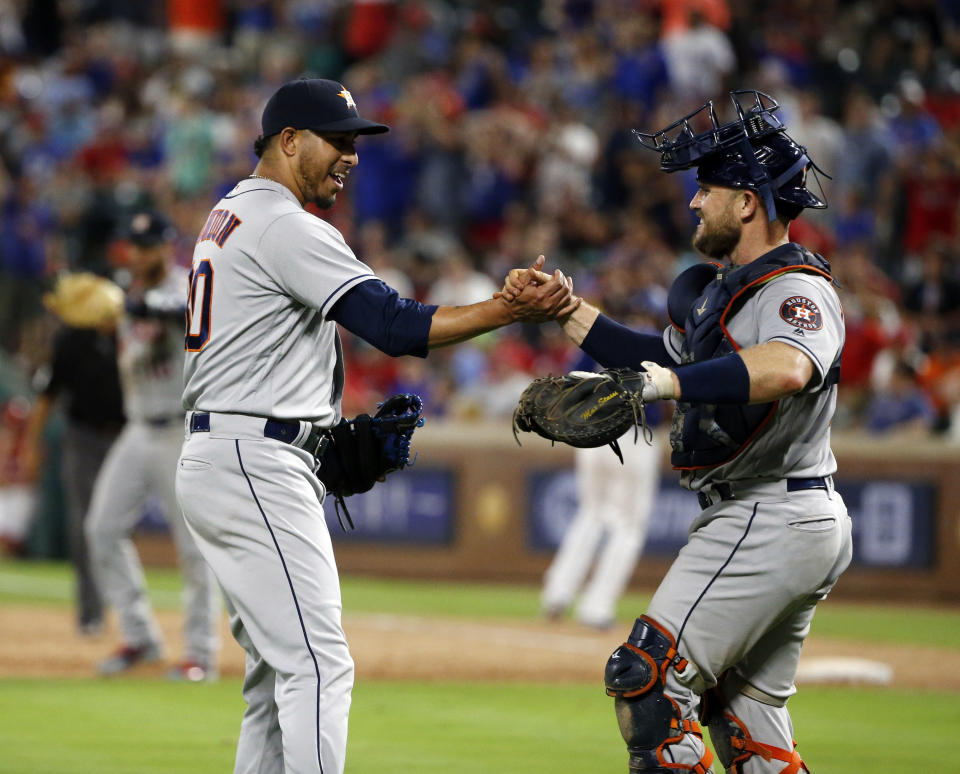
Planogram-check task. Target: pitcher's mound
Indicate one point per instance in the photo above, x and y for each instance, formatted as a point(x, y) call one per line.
point(844, 670)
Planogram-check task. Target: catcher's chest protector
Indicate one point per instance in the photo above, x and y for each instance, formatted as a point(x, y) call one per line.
point(704, 436)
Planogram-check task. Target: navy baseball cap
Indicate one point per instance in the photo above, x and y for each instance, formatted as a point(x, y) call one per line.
point(148, 229)
point(317, 104)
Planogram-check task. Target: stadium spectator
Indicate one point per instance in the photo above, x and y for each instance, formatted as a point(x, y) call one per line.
point(901, 406)
point(512, 132)
point(933, 298)
point(699, 58)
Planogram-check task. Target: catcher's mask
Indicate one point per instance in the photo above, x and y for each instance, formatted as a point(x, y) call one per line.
point(752, 151)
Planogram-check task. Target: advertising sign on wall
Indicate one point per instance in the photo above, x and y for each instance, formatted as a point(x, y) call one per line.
point(893, 521)
point(416, 506)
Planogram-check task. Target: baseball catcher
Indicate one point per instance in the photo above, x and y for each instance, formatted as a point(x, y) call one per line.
point(752, 359)
point(359, 452)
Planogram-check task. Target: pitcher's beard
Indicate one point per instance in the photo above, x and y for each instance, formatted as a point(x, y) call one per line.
point(313, 183)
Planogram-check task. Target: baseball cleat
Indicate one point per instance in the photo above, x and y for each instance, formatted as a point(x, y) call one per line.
point(192, 672)
point(554, 612)
point(128, 656)
point(601, 624)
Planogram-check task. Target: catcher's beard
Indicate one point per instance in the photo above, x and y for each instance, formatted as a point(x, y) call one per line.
point(718, 238)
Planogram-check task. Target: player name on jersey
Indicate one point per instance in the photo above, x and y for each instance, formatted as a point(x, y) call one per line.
point(219, 226)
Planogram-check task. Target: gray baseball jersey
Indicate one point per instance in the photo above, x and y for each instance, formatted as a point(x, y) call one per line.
point(142, 463)
point(259, 345)
point(803, 311)
point(740, 595)
point(150, 353)
point(265, 274)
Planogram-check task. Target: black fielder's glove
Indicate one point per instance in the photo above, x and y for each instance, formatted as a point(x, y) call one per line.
point(363, 450)
point(584, 409)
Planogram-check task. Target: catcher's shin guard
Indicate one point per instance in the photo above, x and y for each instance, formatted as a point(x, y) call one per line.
point(731, 739)
point(649, 719)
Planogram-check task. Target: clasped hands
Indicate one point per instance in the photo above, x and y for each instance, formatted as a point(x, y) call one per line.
point(533, 295)
point(536, 289)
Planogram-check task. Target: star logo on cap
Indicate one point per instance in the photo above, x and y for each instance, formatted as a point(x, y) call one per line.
point(348, 98)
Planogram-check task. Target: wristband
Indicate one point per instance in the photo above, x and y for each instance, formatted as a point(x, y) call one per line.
point(718, 380)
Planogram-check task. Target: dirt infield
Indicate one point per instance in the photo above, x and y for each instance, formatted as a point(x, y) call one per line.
point(42, 642)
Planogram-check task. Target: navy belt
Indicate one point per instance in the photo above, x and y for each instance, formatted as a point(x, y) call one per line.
point(799, 484)
point(724, 491)
point(287, 432)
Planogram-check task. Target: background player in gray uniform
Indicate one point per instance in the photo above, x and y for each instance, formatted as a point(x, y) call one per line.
point(753, 354)
point(143, 462)
point(264, 373)
point(607, 533)
point(606, 536)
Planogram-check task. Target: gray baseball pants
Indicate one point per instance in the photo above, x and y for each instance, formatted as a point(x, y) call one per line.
point(143, 462)
point(740, 596)
point(255, 508)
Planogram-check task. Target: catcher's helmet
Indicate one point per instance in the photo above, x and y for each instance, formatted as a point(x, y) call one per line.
point(753, 151)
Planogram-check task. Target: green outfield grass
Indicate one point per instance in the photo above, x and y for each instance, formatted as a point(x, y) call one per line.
point(150, 726)
point(155, 727)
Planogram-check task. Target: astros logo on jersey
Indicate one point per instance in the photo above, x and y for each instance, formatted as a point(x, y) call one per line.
point(801, 312)
point(348, 98)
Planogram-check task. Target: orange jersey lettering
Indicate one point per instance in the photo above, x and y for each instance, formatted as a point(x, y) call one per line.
point(219, 226)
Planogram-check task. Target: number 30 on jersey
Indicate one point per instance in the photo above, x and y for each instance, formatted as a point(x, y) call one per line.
point(198, 306)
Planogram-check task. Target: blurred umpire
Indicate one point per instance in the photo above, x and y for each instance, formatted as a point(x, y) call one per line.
point(83, 376)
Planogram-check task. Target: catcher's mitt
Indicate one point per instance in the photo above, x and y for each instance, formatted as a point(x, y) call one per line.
point(363, 450)
point(584, 409)
point(85, 300)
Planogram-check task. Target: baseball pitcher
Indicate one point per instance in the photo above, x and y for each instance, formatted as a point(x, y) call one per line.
point(264, 377)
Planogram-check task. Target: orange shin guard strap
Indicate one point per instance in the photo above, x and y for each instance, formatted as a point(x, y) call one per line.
point(767, 752)
point(749, 747)
point(683, 727)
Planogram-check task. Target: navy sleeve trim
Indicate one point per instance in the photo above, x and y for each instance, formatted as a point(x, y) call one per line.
point(718, 380)
point(339, 291)
point(614, 345)
point(375, 312)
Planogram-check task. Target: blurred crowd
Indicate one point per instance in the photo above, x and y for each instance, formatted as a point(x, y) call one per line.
point(511, 136)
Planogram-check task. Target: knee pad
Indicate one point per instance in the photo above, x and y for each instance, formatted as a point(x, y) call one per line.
point(730, 736)
point(650, 720)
